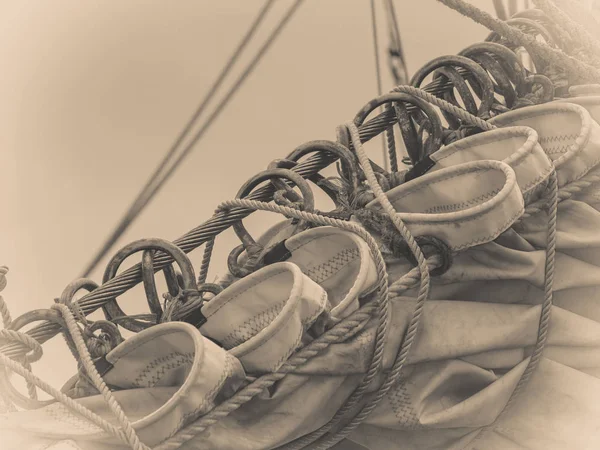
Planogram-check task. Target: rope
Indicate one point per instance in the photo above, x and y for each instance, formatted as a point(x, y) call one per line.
point(422, 295)
point(564, 193)
point(378, 70)
point(85, 358)
point(5, 404)
point(149, 190)
point(336, 334)
point(577, 32)
point(208, 250)
point(536, 355)
point(17, 368)
point(4, 312)
point(409, 280)
point(9, 399)
point(581, 15)
point(411, 333)
point(552, 208)
point(128, 435)
point(577, 68)
point(396, 51)
point(446, 106)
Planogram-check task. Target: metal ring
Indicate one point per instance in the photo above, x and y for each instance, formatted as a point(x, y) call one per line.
point(253, 249)
point(213, 288)
point(307, 196)
point(481, 77)
point(108, 328)
point(111, 308)
point(558, 36)
point(349, 170)
point(75, 286)
point(526, 25)
point(424, 106)
point(346, 157)
point(507, 59)
point(150, 284)
point(37, 315)
point(502, 75)
point(545, 83)
point(461, 86)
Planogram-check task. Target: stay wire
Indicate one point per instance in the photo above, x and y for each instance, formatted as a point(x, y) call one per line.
point(152, 185)
point(378, 73)
point(396, 49)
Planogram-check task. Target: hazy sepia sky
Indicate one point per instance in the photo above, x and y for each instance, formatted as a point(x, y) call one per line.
point(93, 92)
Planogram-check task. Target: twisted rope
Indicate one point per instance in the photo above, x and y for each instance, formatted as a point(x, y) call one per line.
point(5, 404)
point(564, 193)
point(128, 435)
point(208, 250)
point(578, 69)
point(577, 32)
point(445, 106)
point(422, 295)
point(336, 334)
point(536, 355)
point(9, 399)
point(131, 437)
point(409, 280)
point(411, 333)
point(581, 15)
point(17, 368)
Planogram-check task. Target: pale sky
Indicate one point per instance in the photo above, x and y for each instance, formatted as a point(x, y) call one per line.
point(93, 93)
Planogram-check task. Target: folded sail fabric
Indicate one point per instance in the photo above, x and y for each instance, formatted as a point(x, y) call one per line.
point(516, 146)
point(571, 138)
point(340, 261)
point(263, 318)
point(452, 397)
point(163, 377)
point(465, 365)
point(464, 205)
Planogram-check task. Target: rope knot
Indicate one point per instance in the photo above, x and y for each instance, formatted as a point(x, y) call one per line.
point(101, 344)
point(287, 198)
point(433, 246)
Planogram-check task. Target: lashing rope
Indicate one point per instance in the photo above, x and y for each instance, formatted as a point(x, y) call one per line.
point(128, 435)
point(386, 162)
point(322, 342)
point(580, 70)
point(125, 434)
point(589, 44)
point(577, 11)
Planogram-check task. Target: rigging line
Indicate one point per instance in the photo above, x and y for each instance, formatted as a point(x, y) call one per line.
point(152, 186)
point(378, 72)
point(396, 50)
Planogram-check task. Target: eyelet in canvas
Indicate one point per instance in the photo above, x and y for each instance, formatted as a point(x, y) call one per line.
point(464, 205)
